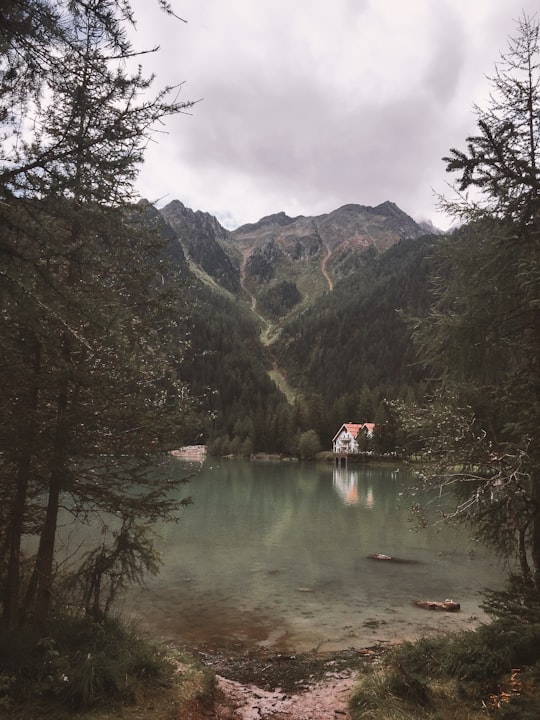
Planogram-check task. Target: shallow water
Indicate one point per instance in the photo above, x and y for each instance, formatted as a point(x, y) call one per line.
point(276, 554)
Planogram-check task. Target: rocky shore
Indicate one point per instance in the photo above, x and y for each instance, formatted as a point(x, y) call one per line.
point(259, 685)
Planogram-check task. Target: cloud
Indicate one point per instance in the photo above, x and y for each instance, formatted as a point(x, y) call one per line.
point(317, 103)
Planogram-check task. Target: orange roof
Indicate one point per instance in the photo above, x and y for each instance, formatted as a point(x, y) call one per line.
point(354, 428)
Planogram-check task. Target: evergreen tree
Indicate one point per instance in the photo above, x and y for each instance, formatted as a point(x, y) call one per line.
point(88, 361)
point(482, 337)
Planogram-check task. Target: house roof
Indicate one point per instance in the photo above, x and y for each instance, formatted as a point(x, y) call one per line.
point(354, 428)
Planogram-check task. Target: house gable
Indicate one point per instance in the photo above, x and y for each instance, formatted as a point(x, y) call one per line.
point(346, 439)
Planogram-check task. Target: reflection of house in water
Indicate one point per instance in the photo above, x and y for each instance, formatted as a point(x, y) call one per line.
point(347, 486)
point(370, 500)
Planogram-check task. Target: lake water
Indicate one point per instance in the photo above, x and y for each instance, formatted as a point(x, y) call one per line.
point(277, 555)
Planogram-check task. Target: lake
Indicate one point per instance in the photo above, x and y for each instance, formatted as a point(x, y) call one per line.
point(276, 554)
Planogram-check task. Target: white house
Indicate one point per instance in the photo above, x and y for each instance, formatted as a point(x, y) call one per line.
point(347, 437)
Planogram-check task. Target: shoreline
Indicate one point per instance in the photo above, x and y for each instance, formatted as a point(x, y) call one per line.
point(247, 636)
point(257, 683)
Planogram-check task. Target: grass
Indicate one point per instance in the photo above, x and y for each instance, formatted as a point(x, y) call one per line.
point(95, 670)
point(100, 671)
point(383, 695)
point(490, 672)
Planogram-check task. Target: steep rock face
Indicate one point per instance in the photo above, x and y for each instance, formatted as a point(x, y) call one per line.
point(201, 236)
point(172, 251)
point(277, 220)
point(296, 237)
point(363, 226)
point(351, 227)
point(264, 261)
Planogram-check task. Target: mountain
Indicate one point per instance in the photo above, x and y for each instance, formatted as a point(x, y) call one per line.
point(282, 262)
point(312, 253)
point(202, 238)
point(357, 226)
point(298, 323)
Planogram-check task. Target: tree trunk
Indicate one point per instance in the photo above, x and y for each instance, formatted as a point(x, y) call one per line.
point(522, 555)
point(40, 588)
point(11, 609)
point(536, 533)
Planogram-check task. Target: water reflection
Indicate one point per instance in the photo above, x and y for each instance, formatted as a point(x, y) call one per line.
point(346, 483)
point(278, 554)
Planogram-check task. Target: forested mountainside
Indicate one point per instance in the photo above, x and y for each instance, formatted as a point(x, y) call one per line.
point(296, 325)
point(358, 336)
point(224, 362)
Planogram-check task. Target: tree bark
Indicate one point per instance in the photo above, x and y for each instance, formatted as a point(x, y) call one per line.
point(40, 588)
point(11, 603)
point(536, 534)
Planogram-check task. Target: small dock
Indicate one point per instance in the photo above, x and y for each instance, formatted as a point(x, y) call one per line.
point(341, 459)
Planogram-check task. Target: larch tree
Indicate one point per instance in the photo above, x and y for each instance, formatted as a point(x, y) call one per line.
point(482, 336)
point(90, 358)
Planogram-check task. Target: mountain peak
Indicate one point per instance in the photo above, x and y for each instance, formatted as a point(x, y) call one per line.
point(202, 237)
point(310, 253)
point(278, 220)
point(388, 206)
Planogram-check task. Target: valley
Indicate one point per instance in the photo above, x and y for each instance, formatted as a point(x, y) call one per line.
point(296, 323)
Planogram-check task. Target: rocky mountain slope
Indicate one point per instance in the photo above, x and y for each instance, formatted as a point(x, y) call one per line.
point(284, 264)
point(204, 242)
point(352, 225)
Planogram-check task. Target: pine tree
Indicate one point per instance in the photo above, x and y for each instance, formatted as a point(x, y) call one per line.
point(89, 358)
point(482, 337)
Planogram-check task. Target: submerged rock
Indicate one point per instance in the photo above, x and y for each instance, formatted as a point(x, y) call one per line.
point(447, 605)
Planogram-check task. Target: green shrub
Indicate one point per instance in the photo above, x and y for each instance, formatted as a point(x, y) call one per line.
point(473, 655)
point(404, 686)
point(456, 677)
point(80, 662)
point(371, 700)
point(518, 603)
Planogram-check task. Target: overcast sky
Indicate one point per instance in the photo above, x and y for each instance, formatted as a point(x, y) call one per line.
point(306, 105)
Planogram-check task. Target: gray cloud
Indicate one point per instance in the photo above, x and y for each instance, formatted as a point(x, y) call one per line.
point(313, 104)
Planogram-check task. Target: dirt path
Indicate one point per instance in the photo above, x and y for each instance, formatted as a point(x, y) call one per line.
point(325, 700)
point(279, 378)
point(258, 685)
point(267, 328)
